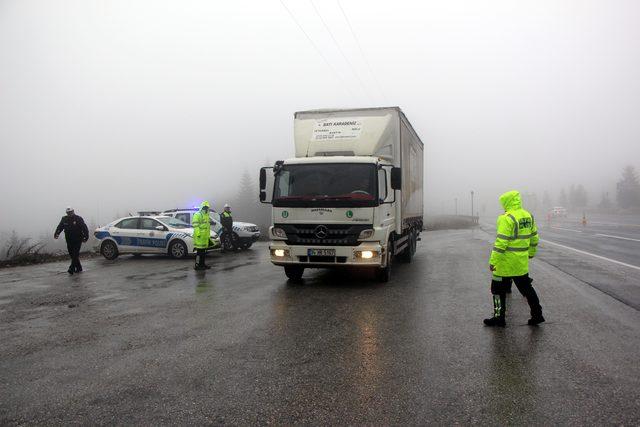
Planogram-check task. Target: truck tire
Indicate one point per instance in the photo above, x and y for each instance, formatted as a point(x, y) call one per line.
point(109, 250)
point(294, 272)
point(178, 250)
point(407, 253)
point(383, 274)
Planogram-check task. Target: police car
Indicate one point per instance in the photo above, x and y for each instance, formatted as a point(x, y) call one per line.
point(245, 232)
point(148, 235)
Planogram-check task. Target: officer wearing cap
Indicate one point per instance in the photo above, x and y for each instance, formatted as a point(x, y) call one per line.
point(75, 232)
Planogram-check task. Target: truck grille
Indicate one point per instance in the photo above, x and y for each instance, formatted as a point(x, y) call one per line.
point(323, 234)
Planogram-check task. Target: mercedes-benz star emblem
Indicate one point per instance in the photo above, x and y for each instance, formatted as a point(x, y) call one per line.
point(321, 231)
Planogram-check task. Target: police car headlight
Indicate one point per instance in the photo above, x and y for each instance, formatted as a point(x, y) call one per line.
point(366, 234)
point(279, 232)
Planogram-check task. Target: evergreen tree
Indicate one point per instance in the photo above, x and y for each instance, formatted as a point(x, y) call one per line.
point(546, 200)
point(605, 203)
point(577, 196)
point(247, 206)
point(628, 189)
point(562, 199)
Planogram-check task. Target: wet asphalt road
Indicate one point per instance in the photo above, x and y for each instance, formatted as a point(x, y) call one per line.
point(151, 341)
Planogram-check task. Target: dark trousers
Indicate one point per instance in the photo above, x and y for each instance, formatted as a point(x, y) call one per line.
point(523, 283)
point(73, 246)
point(200, 253)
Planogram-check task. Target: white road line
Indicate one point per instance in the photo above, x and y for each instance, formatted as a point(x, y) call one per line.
point(614, 224)
point(618, 237)
point(593, 255)
point(566, 229)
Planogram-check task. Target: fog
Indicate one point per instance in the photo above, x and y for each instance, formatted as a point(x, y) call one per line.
point(118, 106)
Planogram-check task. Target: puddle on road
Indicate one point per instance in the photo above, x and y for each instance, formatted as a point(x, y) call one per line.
point(113, 297)
point(203, 287)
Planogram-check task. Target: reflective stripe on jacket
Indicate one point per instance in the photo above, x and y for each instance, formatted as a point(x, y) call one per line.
point(516, 240)
point(201, 229)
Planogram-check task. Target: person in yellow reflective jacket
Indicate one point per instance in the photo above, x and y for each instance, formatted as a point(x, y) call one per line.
point(516, 242)
point(201, 234)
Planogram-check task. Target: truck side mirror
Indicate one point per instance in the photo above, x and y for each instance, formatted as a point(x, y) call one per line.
point(396, 178)
point(263, 185)
point(263, 179)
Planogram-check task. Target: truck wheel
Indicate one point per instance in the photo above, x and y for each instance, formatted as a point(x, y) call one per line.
point(384, 274)
point(407, 253)
point(294, 272)
point(109, 250)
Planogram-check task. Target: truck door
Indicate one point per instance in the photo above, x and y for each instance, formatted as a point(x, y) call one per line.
point(386, 197)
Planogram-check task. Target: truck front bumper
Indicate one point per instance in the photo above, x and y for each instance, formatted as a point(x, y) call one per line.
point(365, 254)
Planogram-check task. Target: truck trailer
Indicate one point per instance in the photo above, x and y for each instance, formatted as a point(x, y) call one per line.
point(351, 197)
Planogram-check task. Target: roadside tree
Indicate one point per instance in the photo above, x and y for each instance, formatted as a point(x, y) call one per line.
point(628, 189)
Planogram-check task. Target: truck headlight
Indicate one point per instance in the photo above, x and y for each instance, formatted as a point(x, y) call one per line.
point(366, 254)
point(280, 253)
point(366, 234)
point(279, 232)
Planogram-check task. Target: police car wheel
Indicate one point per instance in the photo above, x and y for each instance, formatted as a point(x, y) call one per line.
point(178, 249)
point(109, 250)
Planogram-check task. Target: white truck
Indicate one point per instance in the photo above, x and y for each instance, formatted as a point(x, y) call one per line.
point(352, 196)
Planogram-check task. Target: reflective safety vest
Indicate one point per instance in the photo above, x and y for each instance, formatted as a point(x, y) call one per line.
point(201, 229)
point(516, 240)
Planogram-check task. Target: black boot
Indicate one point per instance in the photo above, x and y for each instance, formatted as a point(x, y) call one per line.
point(499, 309)
point(495, 321)
point(70, 271)
point(535, 320)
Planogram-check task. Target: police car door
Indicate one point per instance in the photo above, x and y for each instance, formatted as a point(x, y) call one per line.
point(152, 236)
point(215, 222)
point(125, 233)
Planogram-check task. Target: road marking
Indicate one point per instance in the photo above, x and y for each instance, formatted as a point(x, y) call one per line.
point(618, 237)
point(613, 224)
point(566, 229)
point(593, 255)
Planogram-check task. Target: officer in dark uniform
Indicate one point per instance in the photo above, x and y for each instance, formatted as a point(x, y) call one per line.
point(226, 220)
point(75, 232)
point(229, 238)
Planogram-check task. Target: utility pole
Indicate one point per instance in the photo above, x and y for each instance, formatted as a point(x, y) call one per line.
point(471, 204)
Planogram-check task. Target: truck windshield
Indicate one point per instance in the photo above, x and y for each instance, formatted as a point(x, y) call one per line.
point(326, 184)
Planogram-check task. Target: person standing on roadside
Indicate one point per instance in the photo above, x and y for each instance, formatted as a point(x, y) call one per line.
point(75, 233)
point(516, 242)
point(226, 220)
point(201, 224)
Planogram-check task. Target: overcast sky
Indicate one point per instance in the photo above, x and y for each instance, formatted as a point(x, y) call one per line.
point(112, 106)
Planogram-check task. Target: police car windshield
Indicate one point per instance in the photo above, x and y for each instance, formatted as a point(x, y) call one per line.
point(172, 222)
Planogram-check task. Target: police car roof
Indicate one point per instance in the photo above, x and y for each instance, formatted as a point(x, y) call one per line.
point(183, 209)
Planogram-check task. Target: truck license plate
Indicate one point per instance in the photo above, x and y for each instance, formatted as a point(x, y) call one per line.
point(321, 252)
